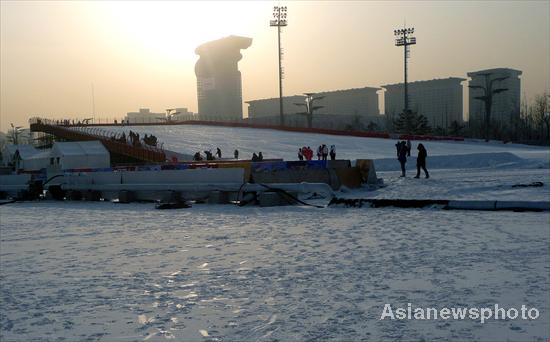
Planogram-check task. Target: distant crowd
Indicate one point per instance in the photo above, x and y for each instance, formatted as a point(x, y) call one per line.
point(208, 155)
point(135, 140)
point(403, 150)
point(306, 153)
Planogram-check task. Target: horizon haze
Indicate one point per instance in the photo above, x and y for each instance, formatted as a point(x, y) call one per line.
point(142, 54)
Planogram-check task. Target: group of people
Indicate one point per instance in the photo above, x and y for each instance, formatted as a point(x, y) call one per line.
point(306, 153)
point(257, 157)
point(404, 150)
point(218, 155)
point(135, 140)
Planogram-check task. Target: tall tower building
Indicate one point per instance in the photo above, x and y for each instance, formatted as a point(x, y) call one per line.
point(506, 105)
point(219, 89)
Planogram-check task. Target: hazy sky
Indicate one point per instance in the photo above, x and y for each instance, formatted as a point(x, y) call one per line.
point(141, 54)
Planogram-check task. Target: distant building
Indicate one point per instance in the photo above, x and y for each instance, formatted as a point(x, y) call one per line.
point(359, 104)
point(145, 116)
point(182, 114)
point(219, 88)
point(439, 100)
point(506, 105)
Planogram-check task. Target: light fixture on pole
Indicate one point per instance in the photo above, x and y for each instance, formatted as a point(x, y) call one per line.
point(405, 39)
point(279, 13)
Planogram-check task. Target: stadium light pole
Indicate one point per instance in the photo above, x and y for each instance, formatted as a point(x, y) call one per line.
point(405, 39)
point(279, 13)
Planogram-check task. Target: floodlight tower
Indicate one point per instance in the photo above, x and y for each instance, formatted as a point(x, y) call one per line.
point(405, 39)
point(279, 13)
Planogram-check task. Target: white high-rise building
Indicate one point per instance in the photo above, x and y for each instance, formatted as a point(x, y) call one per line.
point(439, 100)
point(506, 105)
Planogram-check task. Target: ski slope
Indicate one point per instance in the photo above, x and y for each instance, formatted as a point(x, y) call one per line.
point(278, 144)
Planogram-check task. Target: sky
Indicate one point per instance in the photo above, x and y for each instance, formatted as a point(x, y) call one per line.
point(75, 59)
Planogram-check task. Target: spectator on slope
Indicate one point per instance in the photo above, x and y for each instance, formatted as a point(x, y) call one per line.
point(260, 156)
point(218, 152)
point(332, 152)
point(236, 154)
point(409, 147)
point(319, 152)
point(254, 157)
point(300, 154)
point(309, 153)
point(324, 152)
point(421, 161)
point(197, 157)
point(209, 155)
point(402, 156)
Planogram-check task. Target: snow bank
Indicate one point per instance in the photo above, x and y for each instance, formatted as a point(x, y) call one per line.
point(464, 161)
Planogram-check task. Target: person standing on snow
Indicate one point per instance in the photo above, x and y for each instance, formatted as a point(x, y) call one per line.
point(319, 152)
point(236, 154)
point(421, 161)
point(409, 147)
point(402, 156)
point(324, 152)
point(218, 152)
point(332, 152)
point(300, 154)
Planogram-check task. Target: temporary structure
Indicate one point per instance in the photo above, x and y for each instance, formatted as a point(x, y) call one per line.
point(11, 153)
point(79, 155)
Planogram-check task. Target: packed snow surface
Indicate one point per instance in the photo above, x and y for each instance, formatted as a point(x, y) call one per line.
point(100, 271)
point(113, 272)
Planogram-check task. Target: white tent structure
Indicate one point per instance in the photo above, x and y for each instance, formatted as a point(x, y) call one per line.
point(79, 155)
point(36, 162)
point(21, 151)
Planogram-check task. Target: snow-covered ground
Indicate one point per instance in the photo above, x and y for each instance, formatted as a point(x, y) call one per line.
point(108, 272)
point(112, 272)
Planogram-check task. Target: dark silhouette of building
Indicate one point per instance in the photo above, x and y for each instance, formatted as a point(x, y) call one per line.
point(219, 89)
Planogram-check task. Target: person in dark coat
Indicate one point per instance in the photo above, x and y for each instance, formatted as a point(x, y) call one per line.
point(236, 154)
point(254, 157)
point(260, 156)
point(300, 154)
point(218, 152)
point(402, 156)
point(409, 147)
point(421, 161)
point(332, 152)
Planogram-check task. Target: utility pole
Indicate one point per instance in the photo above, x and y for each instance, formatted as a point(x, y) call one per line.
point(93, 104)
point(279, 13)
point(404, 39)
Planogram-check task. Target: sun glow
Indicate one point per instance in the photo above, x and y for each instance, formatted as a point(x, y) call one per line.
point(172, 30)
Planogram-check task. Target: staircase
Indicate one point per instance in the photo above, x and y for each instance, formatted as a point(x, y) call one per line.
point(110, 140)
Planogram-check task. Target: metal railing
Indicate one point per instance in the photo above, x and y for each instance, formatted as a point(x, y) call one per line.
point(113, 141)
